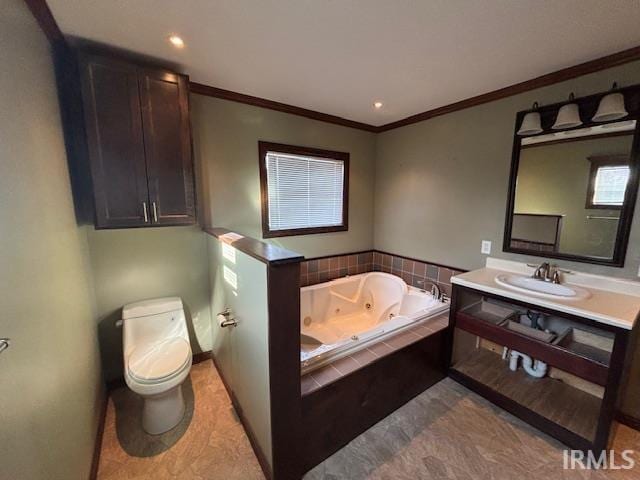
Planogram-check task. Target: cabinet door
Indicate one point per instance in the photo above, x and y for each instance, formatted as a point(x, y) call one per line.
point(167, 140)
point(115, 142)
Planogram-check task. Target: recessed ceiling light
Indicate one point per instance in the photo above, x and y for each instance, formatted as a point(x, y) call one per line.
point(176, 41)
point(378, 105)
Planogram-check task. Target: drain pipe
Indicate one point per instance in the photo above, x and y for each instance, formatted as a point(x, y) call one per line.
point(535, 368)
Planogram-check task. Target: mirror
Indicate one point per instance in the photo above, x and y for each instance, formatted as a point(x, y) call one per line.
point(572, 192)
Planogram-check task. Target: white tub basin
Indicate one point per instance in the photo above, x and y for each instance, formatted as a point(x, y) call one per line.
point(342, 316)
point(540, 288)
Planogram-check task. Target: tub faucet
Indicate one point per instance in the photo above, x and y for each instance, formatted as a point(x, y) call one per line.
point(435, 291)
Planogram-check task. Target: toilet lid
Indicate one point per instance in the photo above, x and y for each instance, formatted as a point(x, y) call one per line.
point(159, 360)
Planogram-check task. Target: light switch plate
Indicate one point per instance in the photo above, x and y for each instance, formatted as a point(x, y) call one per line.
point(486, 247)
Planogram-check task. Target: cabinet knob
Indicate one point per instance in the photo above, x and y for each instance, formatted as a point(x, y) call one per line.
point(155, 212)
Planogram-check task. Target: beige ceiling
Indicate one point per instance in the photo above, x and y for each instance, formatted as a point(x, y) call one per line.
point(339, 56)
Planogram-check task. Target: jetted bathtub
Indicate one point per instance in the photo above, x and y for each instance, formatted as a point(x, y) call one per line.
point(342, 316)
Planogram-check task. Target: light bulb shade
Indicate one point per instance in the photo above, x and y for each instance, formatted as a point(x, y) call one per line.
point(611, 108)
point(530, 124)
point(568, 117)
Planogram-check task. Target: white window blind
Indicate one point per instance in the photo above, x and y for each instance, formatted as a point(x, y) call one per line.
point(610, 185)
point(304, 191)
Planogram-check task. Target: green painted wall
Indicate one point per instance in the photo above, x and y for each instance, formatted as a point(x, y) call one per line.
point(456, 169)
point(51, 385)
point(239, 283)
point(136, 264)
point(441, 186)
point(226, 138)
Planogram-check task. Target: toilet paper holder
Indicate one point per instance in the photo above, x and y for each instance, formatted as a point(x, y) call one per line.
point(225, 320)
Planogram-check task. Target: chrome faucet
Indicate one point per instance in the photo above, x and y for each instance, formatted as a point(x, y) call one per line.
point(547, 273)
point(435, 292)
point(542, 272)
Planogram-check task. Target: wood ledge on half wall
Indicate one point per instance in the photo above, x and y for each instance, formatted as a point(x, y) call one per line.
point(261, 251)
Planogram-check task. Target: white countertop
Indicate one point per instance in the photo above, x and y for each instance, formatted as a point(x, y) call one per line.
point(614, 301)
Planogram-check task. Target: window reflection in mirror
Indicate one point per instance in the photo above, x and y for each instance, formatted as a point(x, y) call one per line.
point(570, 188)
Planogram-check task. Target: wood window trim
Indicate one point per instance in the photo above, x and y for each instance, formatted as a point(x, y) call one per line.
point(598, 161)
point(264, 148)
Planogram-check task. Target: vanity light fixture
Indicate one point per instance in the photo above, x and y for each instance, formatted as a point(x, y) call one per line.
point(531, 122)
point(377, 105)
point(568, 115)
point(176, 41)
point(611, 107)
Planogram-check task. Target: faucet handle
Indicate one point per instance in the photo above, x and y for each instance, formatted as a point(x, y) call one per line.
point(556, 276)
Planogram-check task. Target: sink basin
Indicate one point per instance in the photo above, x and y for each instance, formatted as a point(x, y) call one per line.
point(540, 288)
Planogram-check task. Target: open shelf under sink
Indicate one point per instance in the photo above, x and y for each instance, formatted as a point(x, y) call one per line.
point(574, 409)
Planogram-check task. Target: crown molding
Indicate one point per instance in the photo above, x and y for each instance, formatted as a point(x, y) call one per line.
point(602, 63)
point(201, 89)
point(45, 19)
point(42, 13)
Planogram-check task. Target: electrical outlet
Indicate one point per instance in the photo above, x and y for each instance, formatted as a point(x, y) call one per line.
point(486, 247)
point(639, 271)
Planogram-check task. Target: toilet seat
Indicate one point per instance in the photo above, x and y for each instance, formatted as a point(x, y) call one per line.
point(156, 362)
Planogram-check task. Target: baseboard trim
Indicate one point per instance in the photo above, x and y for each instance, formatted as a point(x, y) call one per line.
point(115, 384)
point(97, 447)
point(201, 357)
point(628, 420)
point(262, 459)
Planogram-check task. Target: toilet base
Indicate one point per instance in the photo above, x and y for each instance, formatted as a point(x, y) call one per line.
point(162, 412)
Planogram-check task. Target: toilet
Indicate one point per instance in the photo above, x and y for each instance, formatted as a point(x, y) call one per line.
point(157, 359)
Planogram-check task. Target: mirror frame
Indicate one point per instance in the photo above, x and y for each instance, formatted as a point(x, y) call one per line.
point(587, 107)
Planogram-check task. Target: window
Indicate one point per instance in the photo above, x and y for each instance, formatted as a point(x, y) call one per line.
point(304, 190)
point(607, 181)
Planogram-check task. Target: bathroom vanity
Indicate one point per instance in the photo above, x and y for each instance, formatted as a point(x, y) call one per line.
point(570, 342)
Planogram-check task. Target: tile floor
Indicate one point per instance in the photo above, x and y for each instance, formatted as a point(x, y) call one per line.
point(210, 443)
point(446, 432)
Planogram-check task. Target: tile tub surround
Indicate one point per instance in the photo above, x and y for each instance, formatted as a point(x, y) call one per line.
point(319, 270)
point(416, 273)
point(344, 366)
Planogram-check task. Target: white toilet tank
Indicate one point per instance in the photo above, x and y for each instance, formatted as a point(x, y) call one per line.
point(153, 321)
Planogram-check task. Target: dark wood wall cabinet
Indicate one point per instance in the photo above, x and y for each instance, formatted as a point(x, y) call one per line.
point(575, 397)
point(138, 143)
